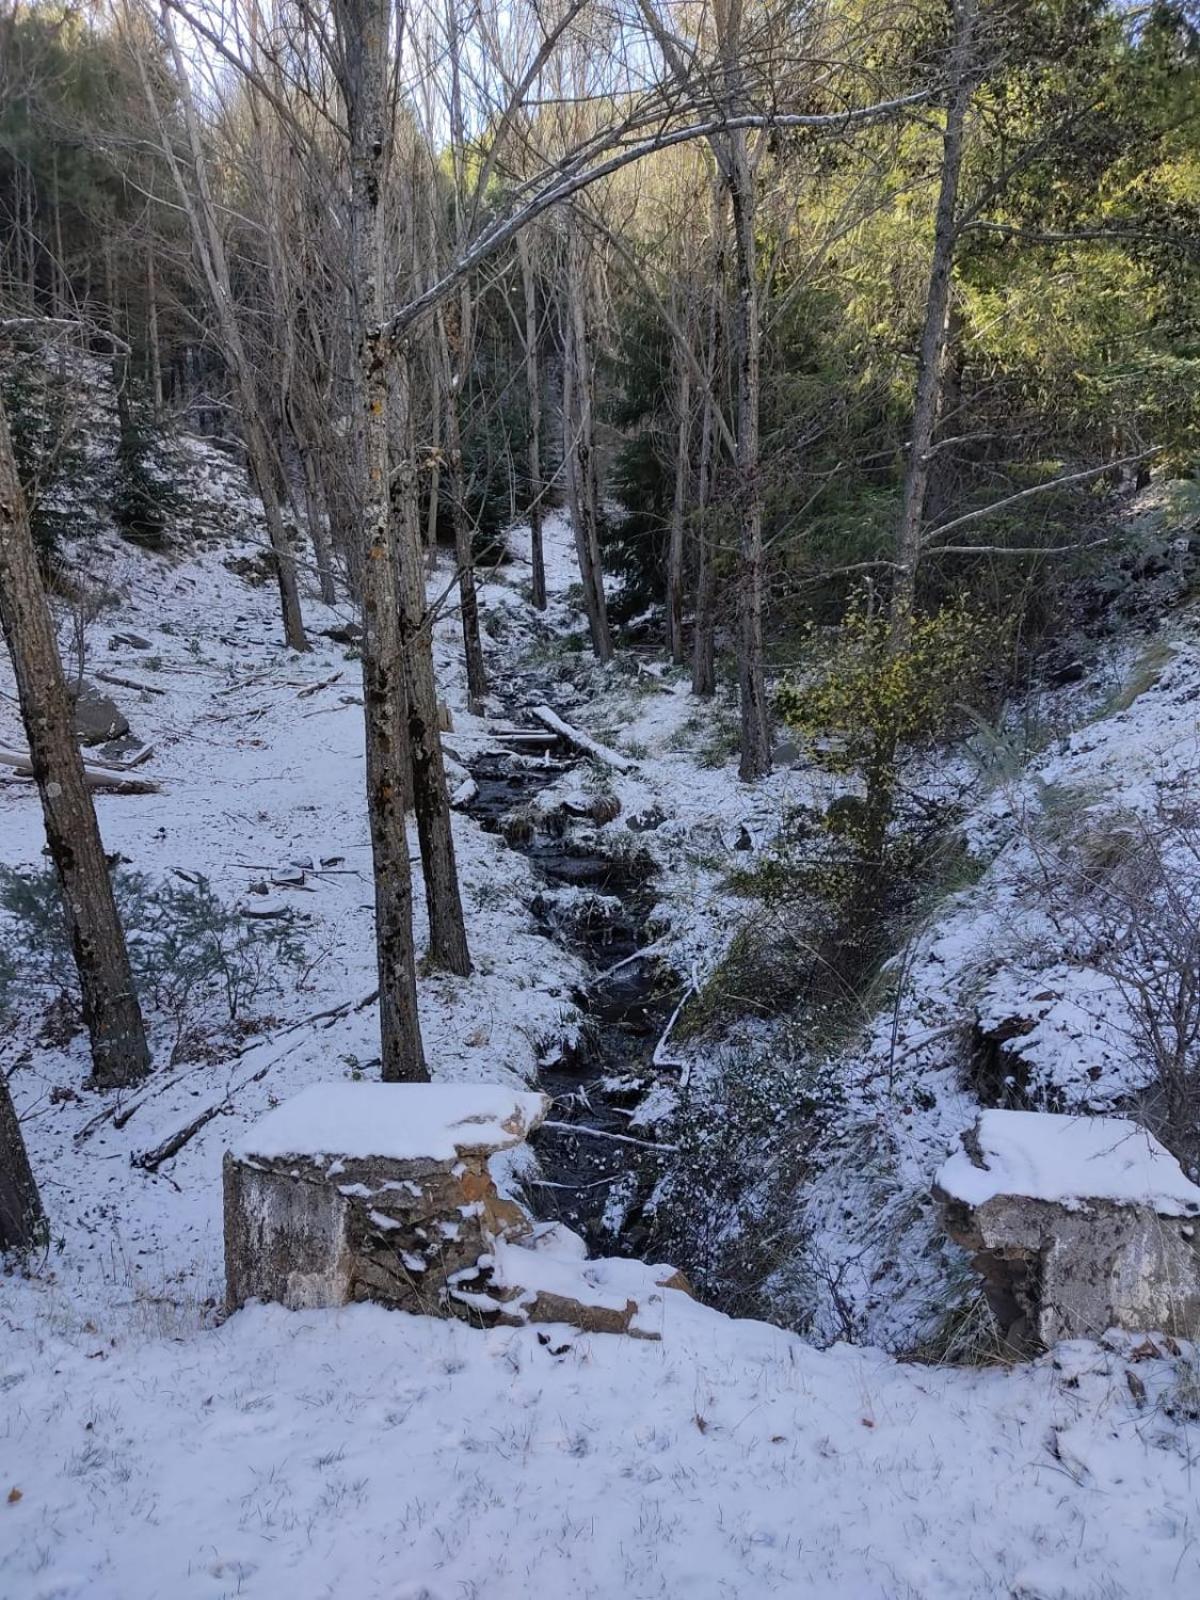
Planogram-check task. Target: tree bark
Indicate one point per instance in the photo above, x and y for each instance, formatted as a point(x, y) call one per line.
point(533, 396)
point(755, 725)
point(363, 25)
point(678, 514)
point(932, 358)
point(578, 445)
point(704, 673)
point(153, 348)
point(453, 380)
point(210, 246)
point(22, 1220)
point(110, 1007)
point(431, 802)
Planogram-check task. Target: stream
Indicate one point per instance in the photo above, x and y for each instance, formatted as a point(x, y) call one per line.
point(597, 1186)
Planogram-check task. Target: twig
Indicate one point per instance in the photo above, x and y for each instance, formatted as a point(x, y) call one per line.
point(601, 1133)
point(126, 683)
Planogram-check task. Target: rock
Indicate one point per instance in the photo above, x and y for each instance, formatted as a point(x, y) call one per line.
point(349, 633)
point(132, 641)
point(597, 808)
point(785, 754)
point(646, 821)
point(1076, 1225)
point(547, 1278)
point(97, 718)
point(373, 1191)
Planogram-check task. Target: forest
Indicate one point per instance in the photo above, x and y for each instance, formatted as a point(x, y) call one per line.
point(622, 575)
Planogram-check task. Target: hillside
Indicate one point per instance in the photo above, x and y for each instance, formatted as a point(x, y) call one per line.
point(154, 1448)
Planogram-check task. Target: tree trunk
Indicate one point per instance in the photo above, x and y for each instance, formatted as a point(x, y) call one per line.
point(318, 528)
point(363, 25)
point(755, 727)
point(678, 513)
point(153, 349)
point(578, 446)
point(932, 360)
point(704, 674)
point(22, 1220)
point(431, 802)
point(533, 396)
point(453, 377)
point(210, 246)
point(110, 1007)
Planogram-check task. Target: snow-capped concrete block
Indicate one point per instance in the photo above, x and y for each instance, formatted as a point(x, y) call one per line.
point(372, 1191)
point(1076, 1224)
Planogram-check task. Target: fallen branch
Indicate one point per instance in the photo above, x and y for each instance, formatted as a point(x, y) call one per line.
point(660, 1058)
point(126, 683)
point(601, 1133)
point(643, 954)
point(583, 741)
point(95, 777)
point(314, 688)
point(151, 1160)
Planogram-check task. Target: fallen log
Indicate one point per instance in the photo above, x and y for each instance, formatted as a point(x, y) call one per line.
point(127, 683)
point(116, 778)
point(583, 741)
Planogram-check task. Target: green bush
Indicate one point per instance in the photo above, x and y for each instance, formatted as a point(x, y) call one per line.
point(197, 961)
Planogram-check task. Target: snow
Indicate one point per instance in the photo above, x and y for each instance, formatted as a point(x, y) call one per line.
point(1065, 1160)
point(156, 1450)
point(394, 1121)
point(368, 1453)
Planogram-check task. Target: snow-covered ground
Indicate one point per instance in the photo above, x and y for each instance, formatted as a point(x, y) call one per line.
point(152, 1452)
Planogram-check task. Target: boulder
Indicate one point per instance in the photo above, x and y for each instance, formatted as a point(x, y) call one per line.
point(372, 1191)
point(97, 718)
point(548, 1278)
point(1076, 1225)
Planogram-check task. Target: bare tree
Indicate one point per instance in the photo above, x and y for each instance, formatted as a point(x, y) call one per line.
point(364, 31)
point(579, 443)
point(110, 1006)
point(200, 207)
point(22, 1220)
point(932, 359)
point(533, 399)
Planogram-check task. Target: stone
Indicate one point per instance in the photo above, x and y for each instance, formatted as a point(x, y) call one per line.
point(646, 821)
point(547, 1278)
point(1076, 1225)
point(348, 633)
point(132, 641)
point(97, 718)
point(382, 1192)
point(372, 1191)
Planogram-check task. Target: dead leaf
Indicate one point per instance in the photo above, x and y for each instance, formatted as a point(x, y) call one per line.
point(1136, 1387)
point(1146, 1351)
point(14, 1495)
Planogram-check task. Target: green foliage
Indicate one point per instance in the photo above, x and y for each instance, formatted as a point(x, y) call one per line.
point(39, 401)
point(726, 1211)
point(195, 958)
point(878, 690)
point(144, 498)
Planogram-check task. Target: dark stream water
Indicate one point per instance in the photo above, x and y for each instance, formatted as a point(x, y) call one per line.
point(596, 1185)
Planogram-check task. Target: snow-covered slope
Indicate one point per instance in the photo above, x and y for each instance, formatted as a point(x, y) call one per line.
point(152, 1452)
